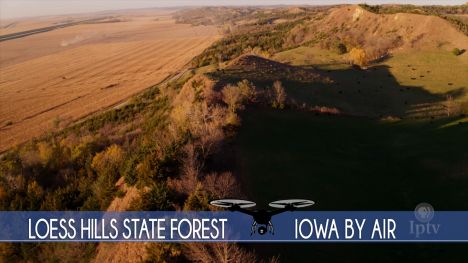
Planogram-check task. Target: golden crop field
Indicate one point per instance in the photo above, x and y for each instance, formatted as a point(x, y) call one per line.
point(68, 73)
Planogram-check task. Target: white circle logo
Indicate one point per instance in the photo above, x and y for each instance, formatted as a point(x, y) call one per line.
point(424, 212)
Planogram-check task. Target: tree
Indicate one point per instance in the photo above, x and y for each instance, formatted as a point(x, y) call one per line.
point(157, 198)
point(232, 96)
point(221, 185)
point(218, 252)
point(198, 200)
point(46, 152)
point(107, 165)
point(451, 106)
point(247, 90)
point(358, 57)
point(108, 161)
point(279, 98)
point(164, 252)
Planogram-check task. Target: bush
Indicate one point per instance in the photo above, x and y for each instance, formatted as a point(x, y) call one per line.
point(156, 199)
point(233, 97)
point(129, 169)
point(164, 252)
point(358, 57)
point(107, 165)
point(279, 97)
point(109, 160)
point(340, 48)
point(247, 90)
point(198, 200)
point(457, 51)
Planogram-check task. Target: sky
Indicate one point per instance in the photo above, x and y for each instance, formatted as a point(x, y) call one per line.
point(27, 8)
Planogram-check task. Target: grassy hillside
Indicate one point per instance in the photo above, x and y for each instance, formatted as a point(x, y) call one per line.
point(349, 163)
point(416, 84)
point(449, 13)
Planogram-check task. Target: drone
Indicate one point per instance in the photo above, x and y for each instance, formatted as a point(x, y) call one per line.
point(262, 217)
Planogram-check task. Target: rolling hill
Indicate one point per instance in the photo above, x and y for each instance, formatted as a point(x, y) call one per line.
point(379, 34)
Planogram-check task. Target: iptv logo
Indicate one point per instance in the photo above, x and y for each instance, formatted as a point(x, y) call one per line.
point(424, 213)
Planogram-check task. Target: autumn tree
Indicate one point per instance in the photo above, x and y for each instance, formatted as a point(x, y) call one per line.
point(358, 57)
point(221, 185)
point(164, 252)
point(247, 89)
point(218, 252)
point(198, 200)
point(107, 164)
point(279, 95)
point(156, 198)
point(233, 97)
point(451, 106)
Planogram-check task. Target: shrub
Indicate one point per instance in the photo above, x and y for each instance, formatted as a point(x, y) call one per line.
point(129, 171)
point(107, 165)
point(457, 51)
point(164, 252)
point(157, 198)
point(279, 98)
point(232, 96)
point(340, 48)
point(247, 90)
point(109, 160)
point(198, 200)
point(232, 119)
point(358, 57)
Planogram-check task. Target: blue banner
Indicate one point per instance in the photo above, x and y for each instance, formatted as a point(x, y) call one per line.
point(297, 226)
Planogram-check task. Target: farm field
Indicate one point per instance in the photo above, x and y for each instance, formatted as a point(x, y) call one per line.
point(75, 71)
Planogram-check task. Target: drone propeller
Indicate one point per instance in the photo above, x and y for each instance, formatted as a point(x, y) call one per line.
point(296, 203)
point(227, 203)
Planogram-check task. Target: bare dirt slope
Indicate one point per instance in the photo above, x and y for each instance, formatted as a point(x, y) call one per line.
point(66, 74)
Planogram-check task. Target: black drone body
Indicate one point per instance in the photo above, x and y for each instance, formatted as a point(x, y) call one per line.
point(262, 217)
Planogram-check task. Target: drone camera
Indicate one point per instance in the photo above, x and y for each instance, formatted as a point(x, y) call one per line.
point(262, 230)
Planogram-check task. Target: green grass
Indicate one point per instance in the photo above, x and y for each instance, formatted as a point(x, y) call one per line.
point(433, 70)
point(348, 163)
point(443, 67)
point(301, 56)
point(399, 86)
point(374, 93)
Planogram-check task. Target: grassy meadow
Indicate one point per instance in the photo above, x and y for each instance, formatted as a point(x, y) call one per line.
point(350, 163)
point(354, 163)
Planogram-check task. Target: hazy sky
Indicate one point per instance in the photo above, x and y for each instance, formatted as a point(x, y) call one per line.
point(24, 8)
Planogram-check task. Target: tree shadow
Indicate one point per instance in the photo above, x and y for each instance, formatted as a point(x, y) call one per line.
point(373, 92)
point(352, 163)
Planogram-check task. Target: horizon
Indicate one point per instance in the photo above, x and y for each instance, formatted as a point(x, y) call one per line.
point(18, 9)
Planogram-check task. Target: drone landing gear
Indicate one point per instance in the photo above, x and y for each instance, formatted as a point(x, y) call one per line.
point(270, 228)
point(253, 228)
